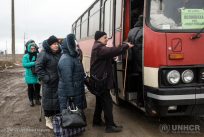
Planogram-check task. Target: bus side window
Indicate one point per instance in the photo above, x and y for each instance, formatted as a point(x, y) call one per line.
point(78, 29)
point(94, 19)
point(108, 16)
point(118, 14)
point(84, 25)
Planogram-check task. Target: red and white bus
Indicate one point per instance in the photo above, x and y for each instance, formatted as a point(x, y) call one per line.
point(172, 78)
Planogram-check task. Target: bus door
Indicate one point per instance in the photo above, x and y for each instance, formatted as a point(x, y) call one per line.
point(112, 18)
point(128, 78)
point(118, 66)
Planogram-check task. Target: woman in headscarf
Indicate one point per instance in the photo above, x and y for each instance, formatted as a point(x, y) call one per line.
point(31, 78)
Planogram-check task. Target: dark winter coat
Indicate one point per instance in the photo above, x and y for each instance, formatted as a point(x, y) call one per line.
point(101, 61)
point(135, 36)
point(71, 72)
point(46, 68)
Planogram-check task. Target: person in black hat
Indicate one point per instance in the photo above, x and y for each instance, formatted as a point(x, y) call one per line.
point(53, 43)
point(99, 34)
point(46, 69)
point(101, 68)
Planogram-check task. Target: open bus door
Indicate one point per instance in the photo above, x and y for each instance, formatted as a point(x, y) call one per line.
point(129, 82)
point(117, 40)
point(121, 66)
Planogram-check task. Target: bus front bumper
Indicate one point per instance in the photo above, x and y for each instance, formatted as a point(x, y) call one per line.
point(187, 101)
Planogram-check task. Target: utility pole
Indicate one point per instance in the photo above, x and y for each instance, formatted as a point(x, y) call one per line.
point(6, 50)
point(13, 29)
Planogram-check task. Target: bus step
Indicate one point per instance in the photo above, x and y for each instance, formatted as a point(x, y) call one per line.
point(131, 96)
point(134, 102)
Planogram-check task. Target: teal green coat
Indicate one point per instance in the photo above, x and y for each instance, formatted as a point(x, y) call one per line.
point(27, 64)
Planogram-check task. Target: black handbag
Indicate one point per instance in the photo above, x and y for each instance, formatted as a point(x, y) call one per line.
point(73, 117)
point(59, 131)
point(88, 81)
point(95, 85)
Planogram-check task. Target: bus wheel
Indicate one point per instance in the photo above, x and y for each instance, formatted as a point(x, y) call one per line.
point(115, 97)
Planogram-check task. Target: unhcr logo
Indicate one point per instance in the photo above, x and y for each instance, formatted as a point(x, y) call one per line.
point(165, 128)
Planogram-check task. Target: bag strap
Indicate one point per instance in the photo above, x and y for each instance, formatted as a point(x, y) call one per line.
point(105, 75)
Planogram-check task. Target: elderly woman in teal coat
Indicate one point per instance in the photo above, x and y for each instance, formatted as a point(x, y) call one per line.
point(31, 78)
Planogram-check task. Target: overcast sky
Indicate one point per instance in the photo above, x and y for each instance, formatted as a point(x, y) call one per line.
point(38, 19)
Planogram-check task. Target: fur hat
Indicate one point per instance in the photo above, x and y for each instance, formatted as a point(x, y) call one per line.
point(52, 39)
point(99, 34)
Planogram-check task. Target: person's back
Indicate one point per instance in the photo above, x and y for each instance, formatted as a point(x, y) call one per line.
point(71, 75)
point(135, 36)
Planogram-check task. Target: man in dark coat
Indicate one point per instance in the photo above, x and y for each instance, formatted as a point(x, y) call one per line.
point(46, 68)
point(71, 75)
point(101, 64)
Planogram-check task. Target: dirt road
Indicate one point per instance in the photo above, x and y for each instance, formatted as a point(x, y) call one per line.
point(18, 119)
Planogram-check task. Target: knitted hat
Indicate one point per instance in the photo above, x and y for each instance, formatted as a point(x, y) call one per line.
point(99, 34)
point(52, 39)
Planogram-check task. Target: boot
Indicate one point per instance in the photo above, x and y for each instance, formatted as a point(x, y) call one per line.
point(48, 121)
point(113, 129)
point(37, 102)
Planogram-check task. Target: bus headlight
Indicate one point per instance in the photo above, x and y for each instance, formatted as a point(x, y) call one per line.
point(187, 76)
point(173, 77)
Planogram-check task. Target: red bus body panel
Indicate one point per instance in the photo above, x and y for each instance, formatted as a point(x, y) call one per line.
point(127, 19)
point(154, 48)
point(158, 46)
point(193, 50)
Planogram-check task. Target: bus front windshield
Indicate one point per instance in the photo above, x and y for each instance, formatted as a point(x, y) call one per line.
point(177, 14)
